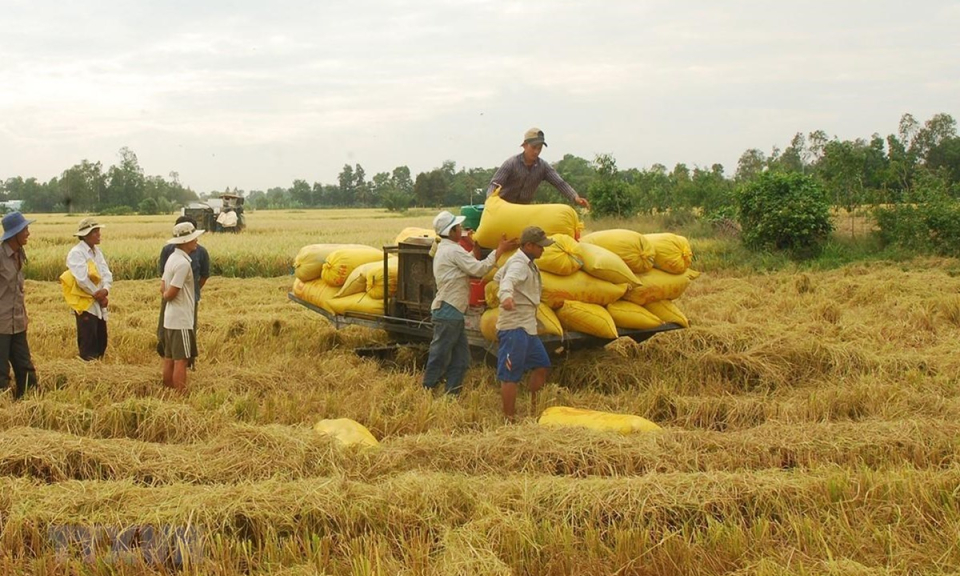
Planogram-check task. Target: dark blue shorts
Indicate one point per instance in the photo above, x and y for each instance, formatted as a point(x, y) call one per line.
point(518, 353)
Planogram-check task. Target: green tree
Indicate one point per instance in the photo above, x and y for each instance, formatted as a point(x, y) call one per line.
point(430, 188)
point(82, 186)
point(125, 182)
point(609, 193)
point(784, 211)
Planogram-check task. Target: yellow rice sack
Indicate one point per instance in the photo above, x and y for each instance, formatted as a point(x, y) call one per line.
point(488, 324)
point(375, 278)
point(347, 432)
point(659, 285)
point(605, 265)
point(501, 217)
point(356, 282)
point(308, 264)
point(490, 292)
point(547, 323)
point(632, 316)
point(298, 288)
point(563, 257)
point(595, 420)
point(580, 287)
point(340, 263)
point(629, 245)
point(587, 318)
point(668, 312)
point(673, 252)
point(318, 293)
point(359, 302)
point(414, 232)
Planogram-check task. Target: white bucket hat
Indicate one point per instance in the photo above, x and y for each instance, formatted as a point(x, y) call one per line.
point(86, 226)
point(445, 221)
point(184, 232)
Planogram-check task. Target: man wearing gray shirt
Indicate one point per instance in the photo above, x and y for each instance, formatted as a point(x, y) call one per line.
point(14, 349)
point(520, 349)
point(520, 175)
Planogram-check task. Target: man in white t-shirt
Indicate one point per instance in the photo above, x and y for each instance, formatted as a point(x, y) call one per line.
point(179, 341)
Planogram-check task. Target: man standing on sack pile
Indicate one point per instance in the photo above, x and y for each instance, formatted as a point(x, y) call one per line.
point(179, 341)
point(14, 349)
point(92, 275)
point(520, 349)
point(452, 269)
point(520, 175)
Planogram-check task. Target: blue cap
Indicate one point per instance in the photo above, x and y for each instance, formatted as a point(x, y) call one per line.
point(13, 224)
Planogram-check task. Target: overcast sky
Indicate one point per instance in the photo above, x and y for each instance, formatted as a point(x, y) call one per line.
point(255, 94)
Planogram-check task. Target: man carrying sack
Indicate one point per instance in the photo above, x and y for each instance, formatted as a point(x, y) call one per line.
point(86, 286)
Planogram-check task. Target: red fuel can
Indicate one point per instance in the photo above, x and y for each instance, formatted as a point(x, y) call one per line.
point(476, 292)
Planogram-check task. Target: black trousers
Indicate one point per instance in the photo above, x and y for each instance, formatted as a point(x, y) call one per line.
point(15, 351)
point(91, 336)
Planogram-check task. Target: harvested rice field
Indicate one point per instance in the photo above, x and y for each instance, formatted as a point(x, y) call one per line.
point(811, 426)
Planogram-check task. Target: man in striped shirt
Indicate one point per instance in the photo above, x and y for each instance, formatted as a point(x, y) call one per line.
point(520, 175)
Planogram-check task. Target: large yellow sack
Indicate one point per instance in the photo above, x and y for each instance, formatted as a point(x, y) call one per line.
point(340, 263)
point(359, 302)
point(501, 217)
point(632, 316)
point(595, 420)
point(547, 323)
point(318, 293)
point(308, 264)
point(490, 294)
point(629, 245)
point(605, 265)
point(659, 285)
point(668, 312)
point(587, 318)
point(578, 286)
point(413, 232)
point(298, 288)
point(673, 252)
point(563, 257)
point(347, 432)
point(375, 278)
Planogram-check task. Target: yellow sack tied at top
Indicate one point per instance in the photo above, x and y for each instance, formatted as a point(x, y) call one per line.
point(627, 244)
point(340, 263)
point(318, 293)
point(595, 420)
point(673, 252)
point(359, 302)
point(578, 286)
point(587, 318)
point(547, 323)
point(375, 278)
point(632, 316)
point(501, 217)
point(308, 263)
point(606, 265)
point(563, 257)
point(659, 285)
point(347, 432)
point(414, 232)
point(668, 312)
point(369, 278)
point(76, 297)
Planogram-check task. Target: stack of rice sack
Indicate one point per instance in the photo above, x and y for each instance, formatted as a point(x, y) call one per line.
point(607, 280)
point(343, 278)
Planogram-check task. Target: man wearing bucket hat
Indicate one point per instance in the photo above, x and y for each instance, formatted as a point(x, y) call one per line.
point(86, 263)
point(179, 342)
point(520, 175)
point(452, 268)
point(14, 349)
point(200, 264)
point(520, 350)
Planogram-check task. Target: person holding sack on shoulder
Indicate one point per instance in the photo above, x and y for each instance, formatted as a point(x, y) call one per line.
point(86, 287)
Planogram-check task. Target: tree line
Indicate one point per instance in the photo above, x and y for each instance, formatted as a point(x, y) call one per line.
point(919, 161)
